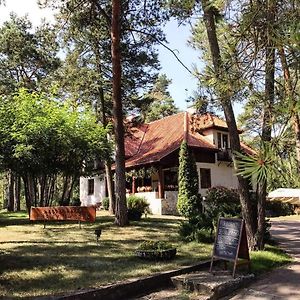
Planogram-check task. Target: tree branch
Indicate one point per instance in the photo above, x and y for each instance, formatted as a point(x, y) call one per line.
point(165, 46)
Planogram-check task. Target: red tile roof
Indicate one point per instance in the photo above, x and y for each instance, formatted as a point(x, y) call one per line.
point(157, 139)
point(151, 142)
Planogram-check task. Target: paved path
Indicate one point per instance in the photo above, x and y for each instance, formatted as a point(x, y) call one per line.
point(283, 283)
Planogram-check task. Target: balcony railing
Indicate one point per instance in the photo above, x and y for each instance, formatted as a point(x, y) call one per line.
point(224, 155)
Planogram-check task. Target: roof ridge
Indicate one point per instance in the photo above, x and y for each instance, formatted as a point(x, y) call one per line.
point(182, 112)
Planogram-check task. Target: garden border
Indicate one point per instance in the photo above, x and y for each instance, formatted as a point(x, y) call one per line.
point(130, 288)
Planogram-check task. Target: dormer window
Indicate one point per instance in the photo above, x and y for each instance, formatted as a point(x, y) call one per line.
point(223, 140)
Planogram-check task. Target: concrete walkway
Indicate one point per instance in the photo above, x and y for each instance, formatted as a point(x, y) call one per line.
point(283, 283)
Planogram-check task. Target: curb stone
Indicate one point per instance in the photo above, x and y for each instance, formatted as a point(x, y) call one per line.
point(131, 288)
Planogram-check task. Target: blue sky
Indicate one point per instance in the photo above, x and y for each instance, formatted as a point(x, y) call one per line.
point(183, 83)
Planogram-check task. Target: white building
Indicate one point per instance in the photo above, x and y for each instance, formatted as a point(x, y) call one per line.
point(152, 152)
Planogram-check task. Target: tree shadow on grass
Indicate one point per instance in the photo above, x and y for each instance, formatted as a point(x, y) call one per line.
point(69, 267)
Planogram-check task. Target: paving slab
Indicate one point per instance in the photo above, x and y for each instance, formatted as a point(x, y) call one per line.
point(214, 285)
point(282, 283)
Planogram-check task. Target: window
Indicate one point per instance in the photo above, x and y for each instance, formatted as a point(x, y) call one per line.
point(219, 140)
point(205, 178)
point(91, 186)
point(223, 142)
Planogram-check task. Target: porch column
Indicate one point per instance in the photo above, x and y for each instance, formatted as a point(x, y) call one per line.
point(161, 184)
point(133, 187)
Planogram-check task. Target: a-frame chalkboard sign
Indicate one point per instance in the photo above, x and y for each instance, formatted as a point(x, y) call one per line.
point(231, 243)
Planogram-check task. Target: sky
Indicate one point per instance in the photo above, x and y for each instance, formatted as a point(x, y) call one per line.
point(183, 83)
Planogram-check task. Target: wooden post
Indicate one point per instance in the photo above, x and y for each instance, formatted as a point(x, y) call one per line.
point(133, 187)
point(161, 184)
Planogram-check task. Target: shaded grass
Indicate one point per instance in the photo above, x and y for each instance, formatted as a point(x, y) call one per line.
point(36, 261)
point(62, 258)
point(271, 258)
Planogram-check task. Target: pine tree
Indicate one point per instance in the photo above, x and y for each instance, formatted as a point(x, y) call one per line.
point(188, 204)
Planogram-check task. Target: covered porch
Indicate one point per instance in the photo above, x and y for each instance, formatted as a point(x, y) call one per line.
point(157, 184)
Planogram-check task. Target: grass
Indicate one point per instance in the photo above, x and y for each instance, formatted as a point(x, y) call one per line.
point(62, 258)
point(36, 261)
point(271, 258)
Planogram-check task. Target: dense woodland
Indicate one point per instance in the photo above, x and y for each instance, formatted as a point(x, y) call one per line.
point(65, 89)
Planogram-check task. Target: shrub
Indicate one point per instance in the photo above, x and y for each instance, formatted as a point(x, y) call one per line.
point(105, 203)
point(199, 228)
point(276, 209)
point(75, 202)
point(155, 245)
point(158, 250)
point(136, 207)
point(188, 203)
point(220, 202)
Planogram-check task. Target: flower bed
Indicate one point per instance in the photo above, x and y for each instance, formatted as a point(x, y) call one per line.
point(156, 250)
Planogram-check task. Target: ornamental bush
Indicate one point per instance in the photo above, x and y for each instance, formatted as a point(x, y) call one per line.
point(219, 202)
point(136, 207)
point(188, 204)
point(105, 203)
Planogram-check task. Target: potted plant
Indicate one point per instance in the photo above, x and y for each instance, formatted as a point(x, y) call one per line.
point(158, 250)
point(136, 207)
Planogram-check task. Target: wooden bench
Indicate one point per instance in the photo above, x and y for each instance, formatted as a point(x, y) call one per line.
point(63, 213)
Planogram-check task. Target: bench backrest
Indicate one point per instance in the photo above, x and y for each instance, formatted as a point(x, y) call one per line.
point(63, 213)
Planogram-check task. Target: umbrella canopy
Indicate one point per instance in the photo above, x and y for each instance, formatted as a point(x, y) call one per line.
point(291, 196)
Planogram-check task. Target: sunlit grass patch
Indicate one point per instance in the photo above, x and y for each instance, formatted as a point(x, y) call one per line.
point(63, 258)
point(272, 257)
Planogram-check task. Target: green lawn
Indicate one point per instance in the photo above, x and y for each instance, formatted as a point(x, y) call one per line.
point(35, 261)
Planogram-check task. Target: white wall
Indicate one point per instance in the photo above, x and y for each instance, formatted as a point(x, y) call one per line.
point(155, 205)
point(221, 175)
point(99, 190)
point(210, 135)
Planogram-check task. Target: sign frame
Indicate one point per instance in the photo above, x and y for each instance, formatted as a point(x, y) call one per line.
point(242, 249)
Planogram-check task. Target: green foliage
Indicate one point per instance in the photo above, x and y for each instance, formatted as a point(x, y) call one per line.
point(28, 55)
point(41, 136)
point(155, 245)
point(105, 203)
point(188, 203)
point(157, 103)
point(75, 202)
point(274, 162)
point(277, 208)
point(219, 202)
point(199, 229)
point(136, 207)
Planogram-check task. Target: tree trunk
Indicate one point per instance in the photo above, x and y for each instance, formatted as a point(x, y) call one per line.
point(65, 200)
point(71, 187)
point(267, 116)
point(17, 193)
point(29, 191)
point(121, 218)
point(243, 187)
point(10, 191)
point(291, 95)
point(108, 172)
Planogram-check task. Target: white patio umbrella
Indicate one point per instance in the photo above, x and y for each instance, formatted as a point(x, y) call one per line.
point(291, 196)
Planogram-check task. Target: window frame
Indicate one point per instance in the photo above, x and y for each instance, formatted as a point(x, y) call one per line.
point(91, 186)
point(207, 183)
